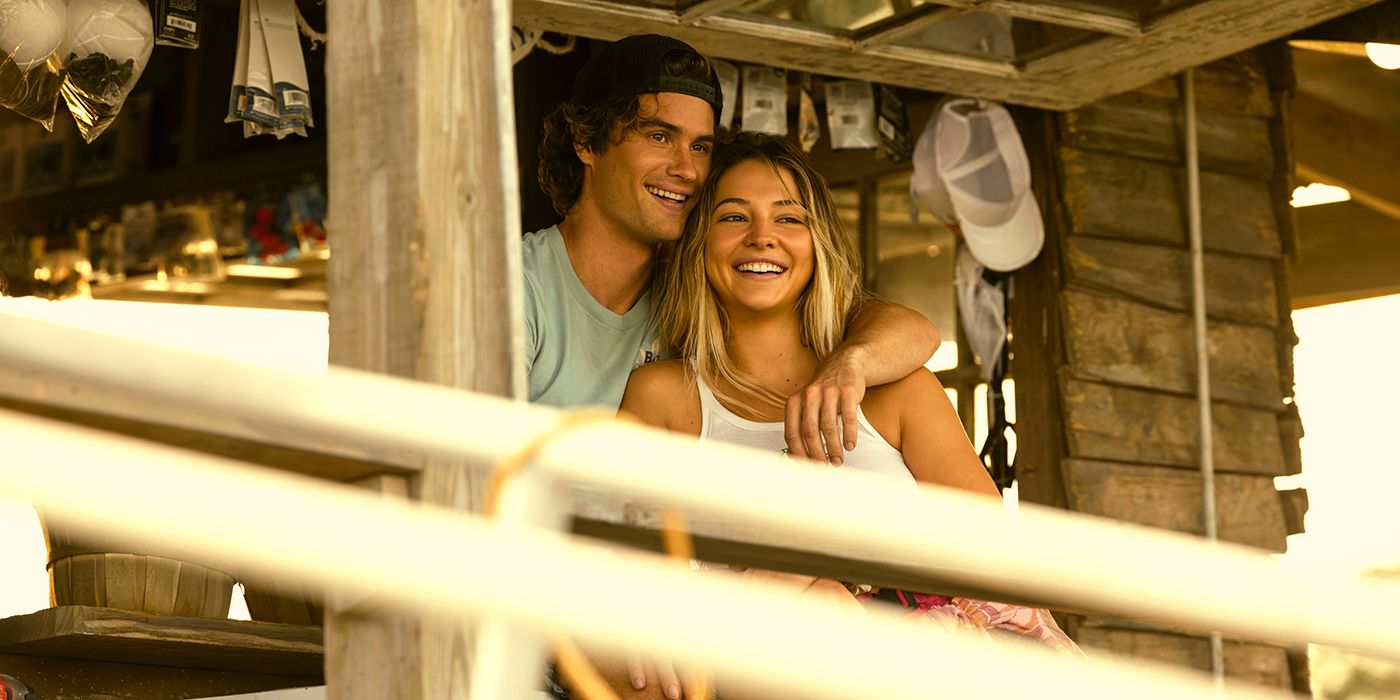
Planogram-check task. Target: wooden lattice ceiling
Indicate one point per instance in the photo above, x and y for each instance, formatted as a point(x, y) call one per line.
point(1056, 54)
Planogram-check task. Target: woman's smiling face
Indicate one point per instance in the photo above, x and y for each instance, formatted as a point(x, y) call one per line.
point(758, 257)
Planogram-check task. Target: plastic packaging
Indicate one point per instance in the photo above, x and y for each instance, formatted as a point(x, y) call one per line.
point(31, 33)
point(893, 125)
point(177, 23)
point(105, 50)
point(850, 114)
point(728, 75)
point(809, 129)
point(765, 100)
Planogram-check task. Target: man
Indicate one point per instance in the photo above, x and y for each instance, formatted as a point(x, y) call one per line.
point(621, 161)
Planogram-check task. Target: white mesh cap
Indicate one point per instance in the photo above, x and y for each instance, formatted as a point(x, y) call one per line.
point(982, 164)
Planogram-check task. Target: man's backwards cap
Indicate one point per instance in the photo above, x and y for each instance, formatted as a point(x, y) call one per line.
point(633, 66)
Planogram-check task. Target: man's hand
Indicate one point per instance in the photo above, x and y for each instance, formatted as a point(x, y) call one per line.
point(820, 422)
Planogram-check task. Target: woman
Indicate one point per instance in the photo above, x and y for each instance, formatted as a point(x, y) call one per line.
point(755, 293)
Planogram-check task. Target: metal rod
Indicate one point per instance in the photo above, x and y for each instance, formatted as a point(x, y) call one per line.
point(1198, 308)
point(439, 562)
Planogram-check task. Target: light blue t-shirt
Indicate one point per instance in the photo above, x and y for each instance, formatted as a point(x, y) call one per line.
point(577, 352)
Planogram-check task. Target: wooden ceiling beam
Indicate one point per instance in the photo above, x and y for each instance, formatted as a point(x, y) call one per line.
point(1337, 147)
point(784, 44)
point(1180, 39)
point(892, 29)
point(704, 8)
point(1096, 18)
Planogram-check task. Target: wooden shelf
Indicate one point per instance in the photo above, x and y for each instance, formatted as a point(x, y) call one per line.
point(106, 635)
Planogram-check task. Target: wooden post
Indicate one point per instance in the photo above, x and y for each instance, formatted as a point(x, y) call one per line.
point(425, 277)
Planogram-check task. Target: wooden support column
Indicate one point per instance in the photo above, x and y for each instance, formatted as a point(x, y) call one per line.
point(425, 274)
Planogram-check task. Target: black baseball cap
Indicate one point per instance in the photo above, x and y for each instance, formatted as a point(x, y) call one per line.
point(632, 66)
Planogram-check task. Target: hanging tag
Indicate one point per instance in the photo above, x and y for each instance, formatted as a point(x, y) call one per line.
point(765, 100)
point(809, 128)
point(238, 91)
point(177, 23)
point(286, 65)
point(728, 75)
point(850, 115)
point(893, 124)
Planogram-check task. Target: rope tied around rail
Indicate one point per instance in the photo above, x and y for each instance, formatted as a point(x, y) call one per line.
point(578, 672)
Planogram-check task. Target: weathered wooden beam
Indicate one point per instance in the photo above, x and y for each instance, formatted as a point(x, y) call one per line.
point(1096, 17)
point(704, 8)
point(892, 29)
point(1238, 288)
point(105, 634)
point(1124, 342)
point(774, 42)
point(1038, 331)
point(1140, 200)
point(1189, 36)
point(1328, 268)
point(425, 282)
point(1255, 663)
point(64, 678)
point(1339, 147)
point(1119, 424)
point(1140, 125)
point(1250, 510)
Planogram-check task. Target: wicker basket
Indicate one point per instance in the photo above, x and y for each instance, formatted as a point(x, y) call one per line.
point(88, 569)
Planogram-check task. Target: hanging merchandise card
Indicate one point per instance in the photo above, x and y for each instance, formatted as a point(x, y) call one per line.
point(850, 114)
point(728, 75)
point(237, 94)
point(765, 100)
point(286, 63)
point(260, 106)
point(809, 129)
point(893, 122)
point(177, 23)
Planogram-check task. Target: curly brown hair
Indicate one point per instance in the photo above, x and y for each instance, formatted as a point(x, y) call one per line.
point(596, 128)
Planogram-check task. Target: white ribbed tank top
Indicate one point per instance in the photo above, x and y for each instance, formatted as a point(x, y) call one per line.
point(872, 453)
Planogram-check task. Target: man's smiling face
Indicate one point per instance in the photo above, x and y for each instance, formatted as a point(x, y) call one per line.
point(644, 184)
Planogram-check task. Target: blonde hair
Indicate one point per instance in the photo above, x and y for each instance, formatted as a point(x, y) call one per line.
point(690, 317)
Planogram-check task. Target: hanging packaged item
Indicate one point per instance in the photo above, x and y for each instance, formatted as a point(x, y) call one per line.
point(728, 75)
point(105, 50)
point(177, 23)
point(31, 32)
point(238, 93)
point(850, 114)
point(286, 64)
point(765, 100)
point(270, 87)
point(809, 129)
point(893, 124)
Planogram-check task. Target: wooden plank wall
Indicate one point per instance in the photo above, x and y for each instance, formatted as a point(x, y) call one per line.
point(1104, 336)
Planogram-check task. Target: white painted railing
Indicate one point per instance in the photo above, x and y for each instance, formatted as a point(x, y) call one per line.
point(295, 526)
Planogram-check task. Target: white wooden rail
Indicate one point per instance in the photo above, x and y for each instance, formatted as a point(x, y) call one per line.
point(433, 560)
point(1047, 555)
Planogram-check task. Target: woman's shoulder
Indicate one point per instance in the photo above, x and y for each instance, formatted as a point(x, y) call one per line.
point(654, 392)
point(884, 406)
point(661, 375)
point(908, 387)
